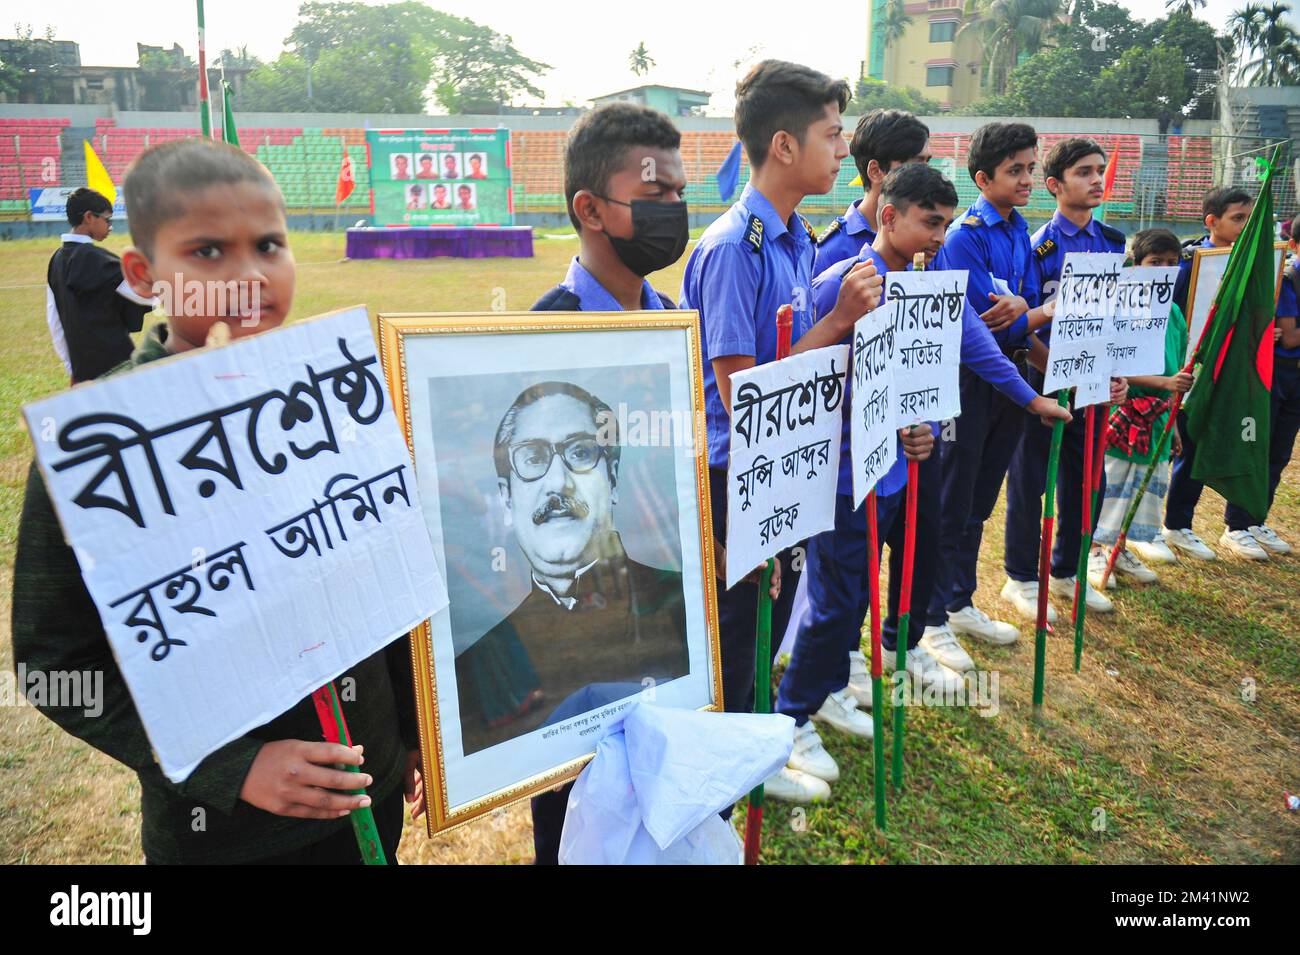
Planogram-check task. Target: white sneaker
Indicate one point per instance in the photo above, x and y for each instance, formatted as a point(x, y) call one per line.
point(1130, 566)
point(1023, 595)
point(790, 785)
point(1267, 538)
point(1154, 551)
point(922, 666)
point(1242, 544)
point(1187, 542)
point(840, 710)
point(942, 644)
point(1096, 601)
point(859, 678)
point(810, 756)
point(974, 622)
point(1097, 567)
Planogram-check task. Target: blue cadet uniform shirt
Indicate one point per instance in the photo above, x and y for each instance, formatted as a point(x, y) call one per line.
point(1287, 305)
point(1050, 244)
point(843, 238)
point(978, 350)
point(989, 247)
point(580, 292)
point(746, 265)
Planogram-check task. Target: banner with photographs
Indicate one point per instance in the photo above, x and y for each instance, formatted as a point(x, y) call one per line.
point(561, 461)
point(247, 522)
point(424, 177)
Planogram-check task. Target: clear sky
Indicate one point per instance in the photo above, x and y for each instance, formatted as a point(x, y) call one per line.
point(695, 44)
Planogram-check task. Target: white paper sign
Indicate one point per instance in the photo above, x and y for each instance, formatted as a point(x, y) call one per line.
point(247, 524)
point(786, 426)
point(1084, 325)
point(873, 445)
point(1146, 294)
point(927, 308)
point(1209, 266)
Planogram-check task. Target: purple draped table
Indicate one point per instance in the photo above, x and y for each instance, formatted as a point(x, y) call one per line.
point(424, 242)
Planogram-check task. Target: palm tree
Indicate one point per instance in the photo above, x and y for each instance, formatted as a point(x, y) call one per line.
point(639, 60)
point(894, 23)
point(1188, 7)
point(1010, 30)
point(1269, 47)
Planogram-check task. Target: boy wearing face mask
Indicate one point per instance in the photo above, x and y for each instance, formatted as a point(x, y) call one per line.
point(623, 183)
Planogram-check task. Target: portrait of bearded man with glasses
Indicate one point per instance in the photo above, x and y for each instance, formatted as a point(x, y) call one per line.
point(596, 626)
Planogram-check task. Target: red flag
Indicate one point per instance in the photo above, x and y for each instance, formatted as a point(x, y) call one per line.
point(1109, 187)
point(347, 181)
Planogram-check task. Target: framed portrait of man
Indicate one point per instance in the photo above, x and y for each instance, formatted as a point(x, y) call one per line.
point(1208, 267)
point(565, 462)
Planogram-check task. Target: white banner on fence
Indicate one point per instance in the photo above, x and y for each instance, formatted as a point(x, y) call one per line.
point(786, 426)
point(927, 309)
point(247, 524)
point(1146, 294)
point(872, 441)
point(1083, 326)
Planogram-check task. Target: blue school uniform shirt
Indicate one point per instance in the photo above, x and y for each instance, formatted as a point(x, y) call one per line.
point(1185, 277)
point(1050, 244)
point(746, 265)
point(978, 350)
point(989, 246)
point(843, 238)
point(1287, 308)
point(593, 297)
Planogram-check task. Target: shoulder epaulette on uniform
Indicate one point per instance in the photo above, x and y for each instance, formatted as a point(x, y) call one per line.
point(754, 232)
point(812, 234)
point(972, 220)
point(830, 230)
point(1044, 249)
point(1110, 232)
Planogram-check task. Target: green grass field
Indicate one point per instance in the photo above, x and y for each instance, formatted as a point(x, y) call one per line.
point(1149, 754)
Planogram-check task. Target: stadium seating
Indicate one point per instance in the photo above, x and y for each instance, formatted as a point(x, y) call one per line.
point(306, 162)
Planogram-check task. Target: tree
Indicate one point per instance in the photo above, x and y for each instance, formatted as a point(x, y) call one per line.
point(639, 60)
point(1011, 30)
point(1262, 33)
point(354, 57)
point(894, 23)
point(32, 71)
point(875, 94)
point(1144, 84)
point(1188, 7)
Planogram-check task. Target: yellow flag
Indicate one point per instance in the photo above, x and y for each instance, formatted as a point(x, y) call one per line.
point(97, 177)
point(857, 180)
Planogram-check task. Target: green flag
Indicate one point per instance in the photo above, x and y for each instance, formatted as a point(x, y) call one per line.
point(228, 131)
point(1228, 410)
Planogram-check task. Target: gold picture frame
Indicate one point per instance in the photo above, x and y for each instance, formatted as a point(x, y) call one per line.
point(1196, 318)
point(396, 334)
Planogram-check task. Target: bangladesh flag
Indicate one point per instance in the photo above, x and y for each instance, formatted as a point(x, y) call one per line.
point(1228, 410)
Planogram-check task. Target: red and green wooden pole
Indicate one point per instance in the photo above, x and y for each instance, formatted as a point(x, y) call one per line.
point(330, 713)
point(1045, 555)
point(763, 634)
point(877, 691)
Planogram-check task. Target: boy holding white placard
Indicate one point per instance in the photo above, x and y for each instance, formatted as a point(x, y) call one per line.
point(206, 215)
point(1074, 172)
point(1136, 428)
point(917, 206)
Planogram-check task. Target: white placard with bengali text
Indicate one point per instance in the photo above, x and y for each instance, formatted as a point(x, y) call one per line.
point(1146, 294)
point(1083, 326)
point(873, 444)
point(786, 427)
point(927, 309)
point(247, 522)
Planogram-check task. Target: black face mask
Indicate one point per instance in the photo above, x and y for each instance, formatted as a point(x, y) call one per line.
point(659, 234)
